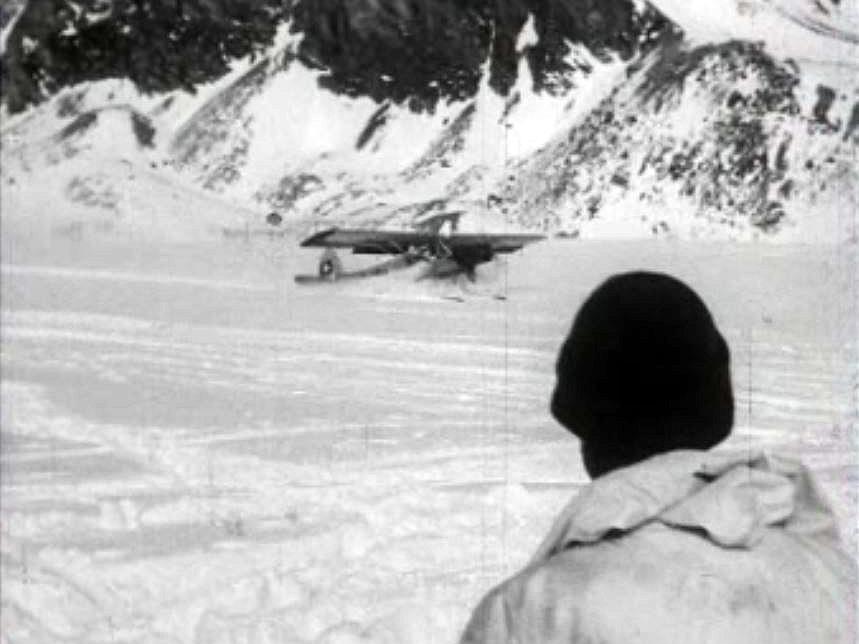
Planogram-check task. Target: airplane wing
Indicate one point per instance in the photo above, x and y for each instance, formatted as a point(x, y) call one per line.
point(368, 241)
point(499, 243)
point(395, 241)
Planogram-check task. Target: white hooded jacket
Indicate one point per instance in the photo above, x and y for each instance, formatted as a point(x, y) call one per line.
point(686, 547)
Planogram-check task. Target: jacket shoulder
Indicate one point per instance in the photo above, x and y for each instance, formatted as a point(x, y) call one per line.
point(664, 585)
point(559, 599)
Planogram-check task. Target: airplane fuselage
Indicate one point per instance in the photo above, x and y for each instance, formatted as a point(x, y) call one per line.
point(445, 255)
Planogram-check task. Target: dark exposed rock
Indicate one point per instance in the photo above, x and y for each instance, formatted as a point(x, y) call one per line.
point(451, 141)
point(825, 98)
point(290, 189)
point(143, 129)
point(676, 66)
point(853, 123)
point(81, 124)
point(781, 156)
point(409, 52)
point(70, 105)
point(730, 167)
point(160, 45)
point(377, 120)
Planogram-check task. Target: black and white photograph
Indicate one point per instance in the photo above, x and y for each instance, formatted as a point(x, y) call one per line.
point(429, 321)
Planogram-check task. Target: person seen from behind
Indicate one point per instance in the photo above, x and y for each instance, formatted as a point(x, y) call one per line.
point(670, 542)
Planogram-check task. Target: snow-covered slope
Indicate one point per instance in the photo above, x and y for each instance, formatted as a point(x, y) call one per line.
point(817, 30)
point(101, 171)
point(275, 138)
point(706, 139)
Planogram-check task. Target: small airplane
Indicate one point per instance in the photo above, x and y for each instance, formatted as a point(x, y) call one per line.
point(435, 241)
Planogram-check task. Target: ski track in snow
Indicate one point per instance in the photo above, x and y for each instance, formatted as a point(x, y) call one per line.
point(271, 464)
point(119, 276)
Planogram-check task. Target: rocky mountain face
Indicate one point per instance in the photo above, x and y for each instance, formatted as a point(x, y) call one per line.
point(722, 132)
point(413, 52)
point(159, 45)
point(416, 52)
point(567, 116)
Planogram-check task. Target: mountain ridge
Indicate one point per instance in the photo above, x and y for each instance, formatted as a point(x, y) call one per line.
point(678, 139)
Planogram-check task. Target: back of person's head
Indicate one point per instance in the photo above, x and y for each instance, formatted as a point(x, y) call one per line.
point(643, 371)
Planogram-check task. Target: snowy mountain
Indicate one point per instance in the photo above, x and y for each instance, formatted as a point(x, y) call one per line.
point(566, 117)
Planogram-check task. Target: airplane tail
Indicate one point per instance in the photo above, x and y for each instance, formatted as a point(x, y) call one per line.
point(434, 224)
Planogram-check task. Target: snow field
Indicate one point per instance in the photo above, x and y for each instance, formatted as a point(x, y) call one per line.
point(188, 460)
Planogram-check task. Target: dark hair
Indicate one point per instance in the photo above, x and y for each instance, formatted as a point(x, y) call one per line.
point(643, 371)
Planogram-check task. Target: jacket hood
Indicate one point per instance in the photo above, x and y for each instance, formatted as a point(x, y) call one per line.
point(731, 497)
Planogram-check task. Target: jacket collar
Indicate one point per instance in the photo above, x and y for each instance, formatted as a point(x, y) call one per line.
point(731, 497)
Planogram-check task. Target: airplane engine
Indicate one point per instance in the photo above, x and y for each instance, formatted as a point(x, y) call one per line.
point(474, 255)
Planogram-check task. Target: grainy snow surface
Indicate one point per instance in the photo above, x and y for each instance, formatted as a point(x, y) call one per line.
point(196, 450)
